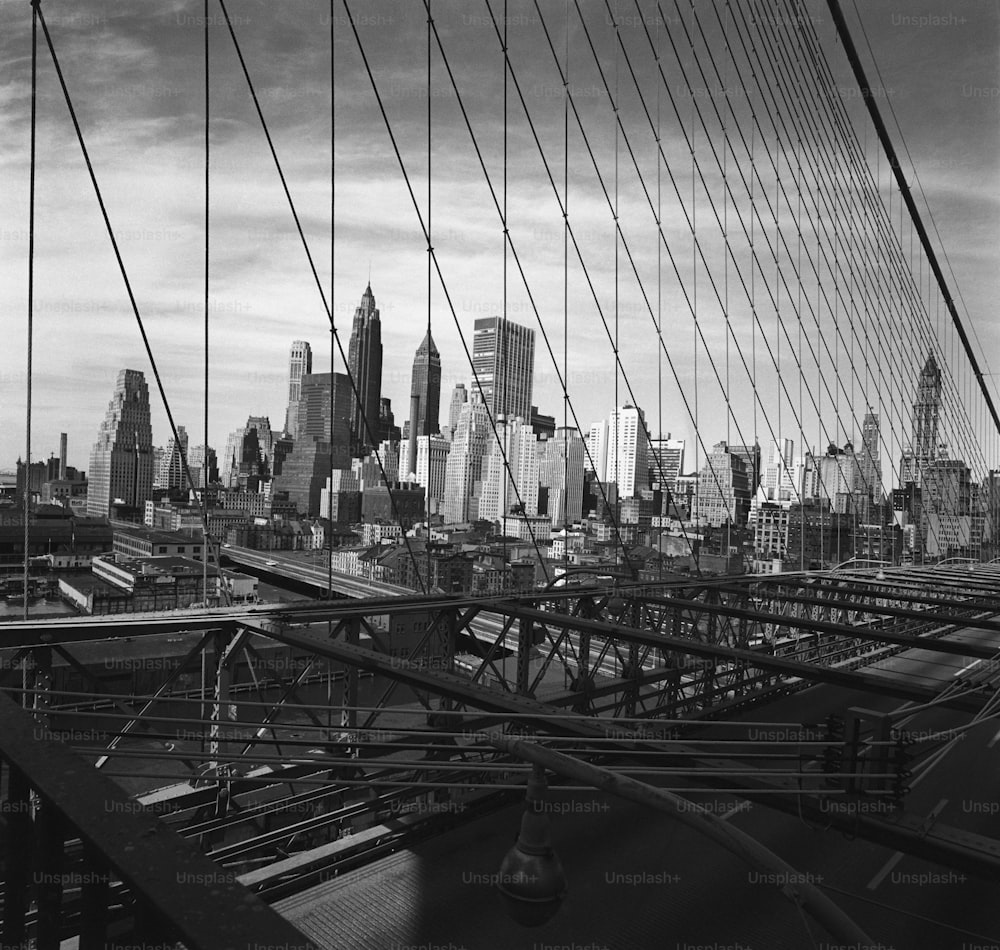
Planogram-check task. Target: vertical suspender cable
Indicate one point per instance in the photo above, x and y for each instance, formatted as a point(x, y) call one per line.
point(617, 409)
point(667, 491)
point(26, 470)
point(565, 439)
point(500, 341)
point(204, 481)
point(694, 309)
point(415, 431)
point(204, 462)
point(333, 319)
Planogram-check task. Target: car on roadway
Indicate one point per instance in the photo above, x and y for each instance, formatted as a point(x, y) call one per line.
point(271, 563)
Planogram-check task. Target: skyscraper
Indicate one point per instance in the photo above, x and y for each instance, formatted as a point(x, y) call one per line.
point(299, 363)
point(459, 397)
point(430, 466)
point(596, 454)
point(316, 403)
point(927, 410)
point(307, 469)
point(425, 389)
point(666, 460)
point(121, 461)
point(869, 469)
point(515, 484)
point(628, 451)
point(249, 454)
point(171, 470)
point(202, 462)
point(465, 462)
point(777, 479)
point(751, 457)
point(561, 462)
point(926, 417)
point(503, 355)
point(723, 488)
point(365, 361)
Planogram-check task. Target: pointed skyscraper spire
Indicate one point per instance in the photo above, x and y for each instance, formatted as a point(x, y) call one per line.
point(425, 387)
point(365, 362)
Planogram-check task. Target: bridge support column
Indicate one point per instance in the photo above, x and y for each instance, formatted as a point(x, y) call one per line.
point(222, 649)
point(525, 643)
point(868, 740)
point(349, 706)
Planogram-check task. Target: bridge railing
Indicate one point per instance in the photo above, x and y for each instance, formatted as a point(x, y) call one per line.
point(80, 857)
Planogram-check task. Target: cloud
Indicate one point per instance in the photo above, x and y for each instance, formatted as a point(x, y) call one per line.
point(136, 75)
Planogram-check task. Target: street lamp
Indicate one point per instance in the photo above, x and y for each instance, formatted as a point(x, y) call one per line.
point(532, 882)
point(533, 896)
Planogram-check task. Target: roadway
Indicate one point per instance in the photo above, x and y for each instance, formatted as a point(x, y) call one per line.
point(309, 567)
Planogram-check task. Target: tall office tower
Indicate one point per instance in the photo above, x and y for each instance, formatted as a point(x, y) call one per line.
point(666, 459)
point(470, 444)
point(388, 431)
point(503, 355)
point(778, 479)
point(249, 453)
point(306, 469)
point(926, 418)
point(459, 397)
point(425, 387)
point(561, 463)
point(628, 451)
point(171, 470)
point(869, 468)
point(121, 461)
point(300, 362)
point(947, 508)
point(751, 456)
point(838, 477)
point(596, 450)
point(510, 486)
point(340, 499)
point(430, 466)
point(317, 401)
point(200, 458)
point(723, 488)
point(365, 360)
point(805, 477)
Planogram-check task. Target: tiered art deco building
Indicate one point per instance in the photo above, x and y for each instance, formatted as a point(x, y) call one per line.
point(121, 461)
point(365, 361)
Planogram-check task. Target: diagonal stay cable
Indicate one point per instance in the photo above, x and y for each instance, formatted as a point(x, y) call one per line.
point(517, 260)
point(579, 253)
point(128, 284)
point(437, 267)
point(319, 286)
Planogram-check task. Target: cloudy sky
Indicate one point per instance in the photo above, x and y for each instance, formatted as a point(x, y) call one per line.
point(135, 74)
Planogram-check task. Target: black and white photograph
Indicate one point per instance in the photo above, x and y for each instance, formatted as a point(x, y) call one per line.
point(499, 475)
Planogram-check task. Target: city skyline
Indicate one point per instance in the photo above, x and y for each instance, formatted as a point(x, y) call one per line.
point(252, 322)
point(875, 471)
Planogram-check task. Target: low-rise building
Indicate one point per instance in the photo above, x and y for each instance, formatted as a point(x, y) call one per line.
point(145, 543)
point(143, 584)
